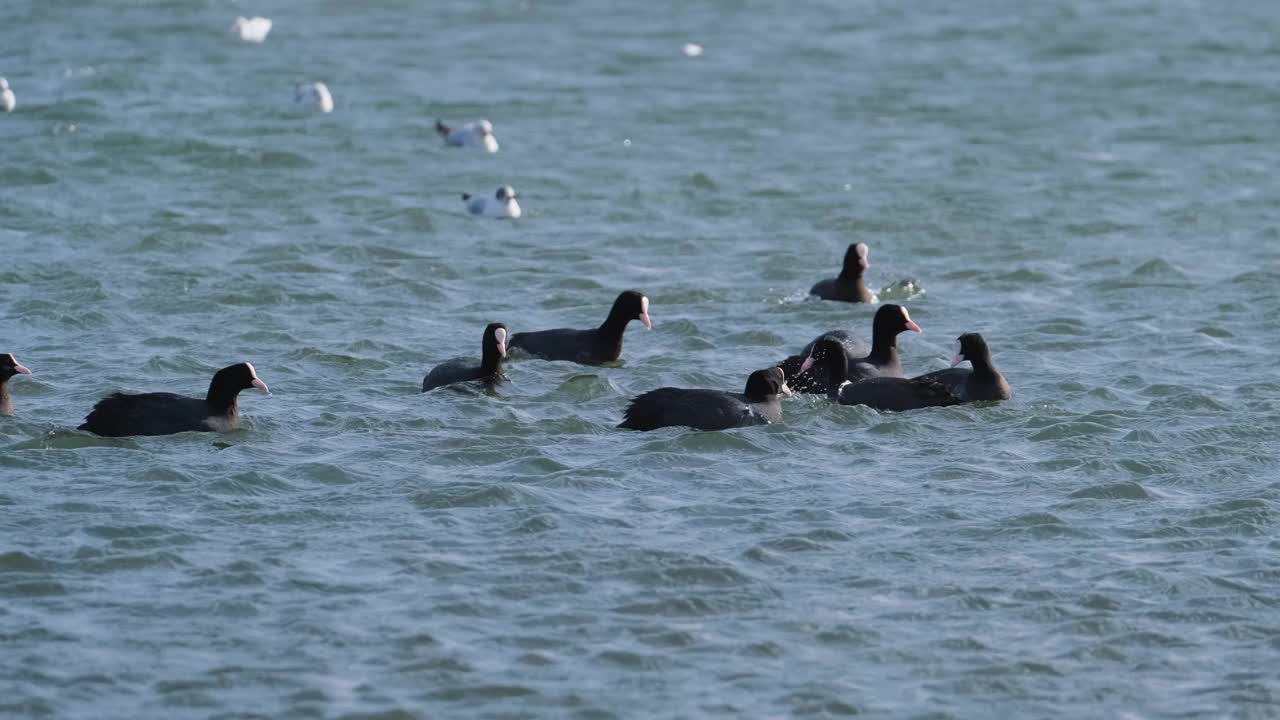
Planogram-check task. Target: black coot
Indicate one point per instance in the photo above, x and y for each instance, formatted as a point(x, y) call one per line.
point(123, 414)
point(488, 372)
point(848, 286)
point(589, 347)
point(936, 389)
point(824, 373)
point(8, 368)
point(816, 381)
point(759, 404)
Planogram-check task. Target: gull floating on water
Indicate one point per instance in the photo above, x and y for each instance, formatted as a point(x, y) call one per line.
point(254, 29)
point(315, 95)
point(7, 101)
point(475, 134)
point(502, 205)
point(692, 50)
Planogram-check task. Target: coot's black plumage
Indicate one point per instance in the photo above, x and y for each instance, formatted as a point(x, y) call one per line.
point(888, 393)
point(488, 372)
point(824, 374)
point(936, 389)
point(816, 381)
point(163, 413)
point(848, 286)
point(589, 347)
point(854, 346)
point(9, 367)
point(759, 404)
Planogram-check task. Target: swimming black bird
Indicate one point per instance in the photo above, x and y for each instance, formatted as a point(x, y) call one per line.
point(759, 404)
point(952, 386)
point(848, 286)
point(163, 413)
point(589, 347)
point(493, 348)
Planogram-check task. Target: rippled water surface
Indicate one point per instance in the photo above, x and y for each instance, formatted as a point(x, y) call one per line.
point(1089, 184)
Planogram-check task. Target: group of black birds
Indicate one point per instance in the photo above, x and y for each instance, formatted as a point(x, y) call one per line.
point(839, 364)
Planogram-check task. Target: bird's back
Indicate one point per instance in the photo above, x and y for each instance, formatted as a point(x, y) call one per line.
point(855, 348)
point(829, 289)
point(700, 409)
point(841, 290)
point(864, 369)
point(457, 137)
point(581, 346)
point(969, 387)
point(897, 394)
point(123, 414)
point(452, 371)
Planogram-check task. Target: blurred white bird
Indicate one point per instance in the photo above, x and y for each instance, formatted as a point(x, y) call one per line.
point(692, 50)
point(315, 95)
point(7, 100)
point(476, 134)
point(502, 205)
point(254, 29)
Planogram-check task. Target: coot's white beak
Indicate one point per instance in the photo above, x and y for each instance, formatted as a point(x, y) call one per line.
point(785, 391)
point(808, 363)
point(644, 313)
point(18, 368)
point(261, 386)
point(501, 336)
point(907, 318)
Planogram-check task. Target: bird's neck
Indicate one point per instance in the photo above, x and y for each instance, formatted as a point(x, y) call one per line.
point(222, 402)
point(884, 346)
point(614, 325)
point(983, 369)
point(856, 284)
point(491, 361)
point(853, 277)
